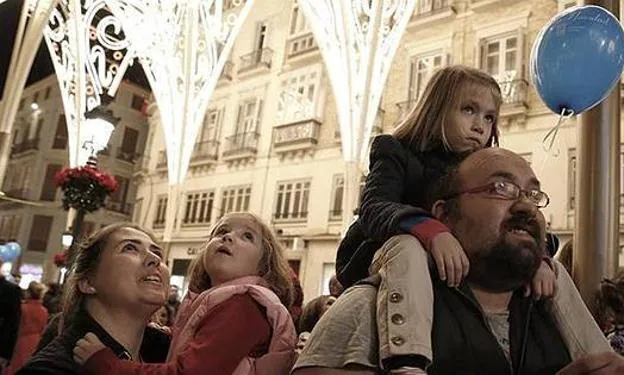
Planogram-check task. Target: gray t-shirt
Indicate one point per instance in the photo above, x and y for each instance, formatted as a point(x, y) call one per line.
point(346, 334)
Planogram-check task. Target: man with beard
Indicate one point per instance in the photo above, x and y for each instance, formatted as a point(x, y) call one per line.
point(486, 325)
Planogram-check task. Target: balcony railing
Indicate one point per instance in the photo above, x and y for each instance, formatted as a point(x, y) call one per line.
point(301, 45)
point(286, 216)
point(206, 150)
point(227, 72)
point(514, 91)
point(256, 59)
point(141, 164)
point(127, 156)
point(306, 132)
point(433, 7)
point(241, 143)
point(162, 160)
point(124, 208)
point(17, 193)
point(26, 145)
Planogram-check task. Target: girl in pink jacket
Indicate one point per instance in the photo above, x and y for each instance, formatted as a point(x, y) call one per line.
point(234, 320)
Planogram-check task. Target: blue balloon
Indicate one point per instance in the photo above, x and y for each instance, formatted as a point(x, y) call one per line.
point(577, 58)
point(15, 249)
point(5, 253)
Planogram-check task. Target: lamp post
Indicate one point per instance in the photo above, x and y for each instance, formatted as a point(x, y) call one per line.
point(98, 127)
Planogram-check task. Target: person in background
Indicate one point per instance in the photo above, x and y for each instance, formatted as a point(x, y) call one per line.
point(52, 298)
point(313, 311)
point(164, 317)
point(610, 310)
point(335, 288)
point(297, 305)
point(118, 280)
point(234, 318)
point(173, 300)
point(32, 324)
point(10, 311)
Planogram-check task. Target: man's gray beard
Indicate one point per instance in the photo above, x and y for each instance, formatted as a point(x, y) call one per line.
point(505, 267)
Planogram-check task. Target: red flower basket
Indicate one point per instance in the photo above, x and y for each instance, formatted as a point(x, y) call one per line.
point(60, 259)
point(85, 188)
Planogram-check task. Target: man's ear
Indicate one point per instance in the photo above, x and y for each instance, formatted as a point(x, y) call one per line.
point(438, 210)
point(85, 287)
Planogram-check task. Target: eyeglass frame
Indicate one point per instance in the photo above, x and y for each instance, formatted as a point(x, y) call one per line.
point(491, 185)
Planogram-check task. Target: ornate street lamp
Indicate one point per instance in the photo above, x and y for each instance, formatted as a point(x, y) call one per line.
point(183, 46)
point(358, 40)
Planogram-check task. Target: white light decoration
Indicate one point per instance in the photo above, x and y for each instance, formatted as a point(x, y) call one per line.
point(183, 46)
point(358, 40)
point(94, 138)
point(33, 18)
point(90, 56)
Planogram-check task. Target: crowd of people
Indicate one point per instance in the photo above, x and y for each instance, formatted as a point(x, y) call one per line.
point(448, 270)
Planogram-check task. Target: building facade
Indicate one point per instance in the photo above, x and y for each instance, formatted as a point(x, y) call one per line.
point(270, 142)
point(39, 151)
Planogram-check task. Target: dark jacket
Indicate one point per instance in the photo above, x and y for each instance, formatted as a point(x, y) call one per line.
point(397, 187)
point(57, 357)
point(463, 343)
point(10, 312)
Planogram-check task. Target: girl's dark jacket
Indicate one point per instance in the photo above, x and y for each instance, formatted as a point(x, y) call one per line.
point(397, 186)
point(56, 358)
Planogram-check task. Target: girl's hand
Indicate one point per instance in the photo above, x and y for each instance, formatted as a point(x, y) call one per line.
point(86, 347)
point(450, 258)
point(543, 284)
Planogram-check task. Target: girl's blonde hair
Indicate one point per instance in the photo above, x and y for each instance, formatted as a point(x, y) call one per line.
point(424, 127)
point(87, 258)
point(273, 267)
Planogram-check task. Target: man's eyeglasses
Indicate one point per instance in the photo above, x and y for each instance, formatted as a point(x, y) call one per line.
point(508, 190)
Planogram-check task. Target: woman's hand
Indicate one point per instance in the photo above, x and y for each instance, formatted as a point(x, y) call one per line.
point(86, 347)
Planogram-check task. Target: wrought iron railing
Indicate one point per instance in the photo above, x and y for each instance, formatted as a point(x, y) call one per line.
point(255, 59)
point(241, 142)
point(205, 150)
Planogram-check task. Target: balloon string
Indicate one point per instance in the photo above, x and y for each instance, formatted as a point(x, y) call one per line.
point(551, 136)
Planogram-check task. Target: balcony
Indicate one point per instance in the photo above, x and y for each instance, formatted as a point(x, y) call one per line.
point(301, 45)
point(290, 216)
point(259, 60)
point(141, 165)
point(17, 193)
point(162, 160)
point(205, 152)
point(515, 102)
point(335, 215)
point(25, 146)
point(242, 146)
point(296, 137)
point(123, 208)
point(126, 155)
point(228, 71)
point(427, 12)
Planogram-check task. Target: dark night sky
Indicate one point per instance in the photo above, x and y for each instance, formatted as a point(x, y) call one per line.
point(42, 66)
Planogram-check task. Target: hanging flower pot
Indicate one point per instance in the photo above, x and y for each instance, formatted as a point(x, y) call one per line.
point(85, 188)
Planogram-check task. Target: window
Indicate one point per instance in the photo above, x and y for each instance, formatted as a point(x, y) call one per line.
point(298, 24)
point(179, 271)
point(212, 124)
point(127, 151)
point(422, 68)
point(261, 39)
point(429, 6)
point(137, 102)
point(571, 178)
point(292, 200)
point(297, 98)
point(39, 233)
point(46, 95)
point(199, 207)
point(501, 58)
point(121, 194)
point(249, 112)
point(48, 190)
point(161, 210)
point(60, 137)
point(10, 227)
point(235, 199)
point(335, 212)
